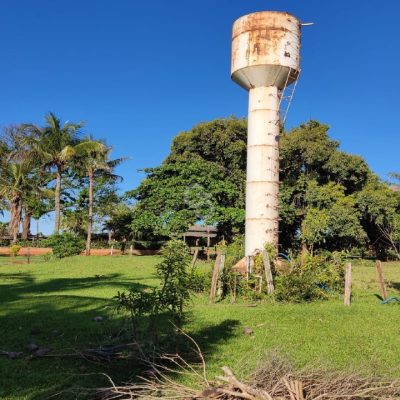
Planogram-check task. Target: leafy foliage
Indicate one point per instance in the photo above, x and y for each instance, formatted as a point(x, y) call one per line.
point(54, 144)
point(173, 293)
point(172, 271)
point(65, 244)
point(319, 198)
point(15, 249)
point(203, 178)
point(300, 282)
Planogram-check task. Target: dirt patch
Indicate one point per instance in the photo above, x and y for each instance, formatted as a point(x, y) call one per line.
point(36, 251)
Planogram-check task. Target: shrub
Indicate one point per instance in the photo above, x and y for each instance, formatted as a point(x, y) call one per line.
point(65, 244)
point(199, 281)
point(146, 245)
point(125, 246)
point(31, 243)
point(15, 249)
point(5, 243)
point(299, 283)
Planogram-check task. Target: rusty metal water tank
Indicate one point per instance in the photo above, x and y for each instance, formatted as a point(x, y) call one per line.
point(265, 49)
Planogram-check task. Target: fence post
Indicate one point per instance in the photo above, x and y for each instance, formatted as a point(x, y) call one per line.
point(221, 267)
point(194, 259)
point(381, 280)
point(215, 278)
point(268, 273)
point(347, 285)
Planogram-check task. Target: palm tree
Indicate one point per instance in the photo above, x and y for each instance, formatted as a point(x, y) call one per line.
point(92, 159)
point(55, 145)
point(14, 185)
point(396, 176)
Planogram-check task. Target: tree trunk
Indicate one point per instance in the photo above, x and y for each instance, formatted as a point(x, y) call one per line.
point(26, 224)
point(90, 222)
point(37, 229)
point(57, 201)
point(15, 216)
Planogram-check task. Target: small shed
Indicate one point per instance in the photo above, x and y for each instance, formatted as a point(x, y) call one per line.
point(195, 232)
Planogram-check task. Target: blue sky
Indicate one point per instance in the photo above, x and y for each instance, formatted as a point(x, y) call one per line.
point(139, 72)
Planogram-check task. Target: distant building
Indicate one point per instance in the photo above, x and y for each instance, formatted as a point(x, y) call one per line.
point(196, 232)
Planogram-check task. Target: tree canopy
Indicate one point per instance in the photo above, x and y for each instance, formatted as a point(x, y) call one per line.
point(203, 178)
point(54, 168)
point(325, 195)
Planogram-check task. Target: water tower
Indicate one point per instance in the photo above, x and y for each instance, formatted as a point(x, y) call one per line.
point(265, 61)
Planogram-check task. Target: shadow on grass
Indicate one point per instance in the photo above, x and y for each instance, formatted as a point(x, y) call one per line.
point(63, 309)
point(394, 286)
point(64, 312)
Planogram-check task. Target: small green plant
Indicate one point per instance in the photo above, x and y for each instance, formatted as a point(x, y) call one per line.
point(199, 281)
point(173, 294)
point(48, 256)
point(65, 244)
point(15, 249)
point(138, 304)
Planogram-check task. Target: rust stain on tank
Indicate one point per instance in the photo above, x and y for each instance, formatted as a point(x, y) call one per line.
point(258, 21)
point(265, 40)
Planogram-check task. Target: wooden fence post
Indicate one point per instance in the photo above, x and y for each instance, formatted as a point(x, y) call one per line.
point(381, 280)
point(221, 267)
point(233, 297)
point(131, 250)
point(347, 285)
point(268, 273)
point(28, 256)
point(112, 250)
point(194, 259)
point(215, 278)
point(216, 284)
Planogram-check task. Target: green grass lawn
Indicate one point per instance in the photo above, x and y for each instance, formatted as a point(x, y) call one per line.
point(61, 298)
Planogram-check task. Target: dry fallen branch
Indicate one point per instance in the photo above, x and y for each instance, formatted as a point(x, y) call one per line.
point(99, 354)
point(273, 381)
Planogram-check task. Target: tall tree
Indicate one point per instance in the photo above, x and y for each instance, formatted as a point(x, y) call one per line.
point(202, 179)
point(310, 161)
point(380, 208)
point(14, 185)
point(54, 144)
point(92, 158)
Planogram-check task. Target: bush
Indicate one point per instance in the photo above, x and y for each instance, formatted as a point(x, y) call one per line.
point(65, 244)
point(146, 245)
point(31, 243)
point(5, 243)
point(15, 249)
point(199, 281)
point(299, 283)
point(125, 246)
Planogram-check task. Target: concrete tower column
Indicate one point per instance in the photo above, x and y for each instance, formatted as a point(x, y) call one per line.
point(262, 186)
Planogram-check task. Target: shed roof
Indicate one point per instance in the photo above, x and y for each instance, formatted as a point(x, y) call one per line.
point(201, 231)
